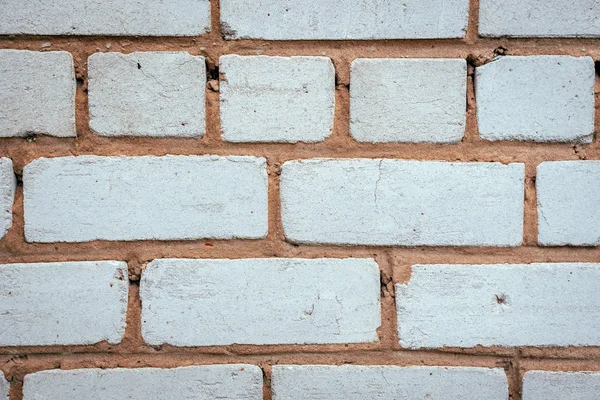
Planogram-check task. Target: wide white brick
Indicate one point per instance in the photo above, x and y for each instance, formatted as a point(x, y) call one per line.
point(544, 385)
point(62, 303)
point(355, 382)
point(541, 18)
point(4, 387)
point(276, 99)
point(37, 92)
point(537, 98)
point(8, 184)
point(408, 100)
point(114, 17)
point(567, 200)
point(353, 19)
point(147, 94)
point(79, 199)
point(500, 305)
point(264, 301)
point(398, 202)
point(235, 382)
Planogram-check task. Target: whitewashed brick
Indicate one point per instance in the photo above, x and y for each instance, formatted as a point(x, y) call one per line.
point(37, 92)
point(234, 381)
point(115, 17)
point(358, 382)
point(276, 99)
point(539, 18)
point(4, 387)
point(408, 100)
point(567, 200)
point(500, 305)
point(398, 202)
point(544, 385)
point(62, 303)
point(8, 185)
point(147, 94)
point(536, 98)
point(264, 301)
point(354, 19)
point(79, 199)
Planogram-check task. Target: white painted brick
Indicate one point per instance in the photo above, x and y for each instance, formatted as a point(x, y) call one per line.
point(276, 99)
point(567, 200)
point(79, 199)
point(147, 94)
point(37, 92)
point(536, 98)
point(398, 202)
point(8, 185)
point(63, 303)
point(408, 100)
point(264, 301)
point(4, 387)
point(115, 17)
point(234, 381)
point(500, 305)
point(539, 18)
point(356, 382)
point(544, 385)
point(353, 19)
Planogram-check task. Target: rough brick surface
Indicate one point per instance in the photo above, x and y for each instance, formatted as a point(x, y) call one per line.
point(536, 98)
point(567, 198)
point(78, 199)
point(234, 382)
point(37, 92)
point(354, 382)
point(500, 305)
point(8, 184)
point(115, 17)
point(147, 94)
point(4, 387)
point(276, 99)
point(265, 301)
point(539, 18)
point(544, 385)
point(354, 19)
point(397, 202)
point(82, 302)
point(408, 100)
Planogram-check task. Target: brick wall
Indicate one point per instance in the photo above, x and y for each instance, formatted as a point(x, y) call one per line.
point(299, 200)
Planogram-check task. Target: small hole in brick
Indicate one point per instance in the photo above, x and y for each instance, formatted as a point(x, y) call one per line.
point(139, 66)
point(212, 72)
point(597, 67)
point(501, 298)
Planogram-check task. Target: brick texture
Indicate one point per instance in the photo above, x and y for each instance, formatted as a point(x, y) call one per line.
point(63, 303)
point(307, 199)
point(325, 382)
point(267, 301)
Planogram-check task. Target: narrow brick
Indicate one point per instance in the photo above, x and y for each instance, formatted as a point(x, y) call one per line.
point(234, 382)
point(37, 92)
point(260, 301)
point(402, 203)
point(63, 303)
point(115, 17)
point(8, 185)
point(354, 19)
point(544, 385)
point(357, 382)
point(567, 200)
point(536, 98)
point(79, 199)
point(408, 100)
point(147, 94)
point(276, 99)
point(4, 387)
point(500, 305)
point(539, 18)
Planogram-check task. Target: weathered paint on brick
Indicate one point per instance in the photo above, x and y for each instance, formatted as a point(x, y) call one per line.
point(265, 301)
point(544, 385)
point(8, 185)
